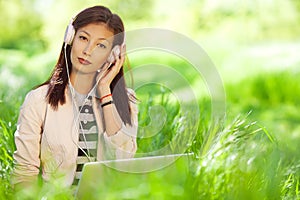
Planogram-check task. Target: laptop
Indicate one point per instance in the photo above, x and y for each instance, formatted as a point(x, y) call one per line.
point(136, 178)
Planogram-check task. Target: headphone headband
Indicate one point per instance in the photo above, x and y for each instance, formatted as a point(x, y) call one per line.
point(70, 33)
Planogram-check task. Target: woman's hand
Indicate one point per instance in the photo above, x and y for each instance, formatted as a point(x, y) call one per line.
point(113, 121)
point(107, 73)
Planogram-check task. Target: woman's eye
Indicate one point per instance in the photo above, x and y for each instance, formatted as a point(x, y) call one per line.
point(82, 37)
point(101, 45)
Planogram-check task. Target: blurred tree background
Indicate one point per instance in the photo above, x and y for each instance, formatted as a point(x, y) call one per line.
point(243, 36)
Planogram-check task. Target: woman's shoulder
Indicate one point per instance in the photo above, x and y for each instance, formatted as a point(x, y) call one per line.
point(36, 96)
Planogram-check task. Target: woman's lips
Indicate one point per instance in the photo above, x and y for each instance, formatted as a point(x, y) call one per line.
point(83, 61)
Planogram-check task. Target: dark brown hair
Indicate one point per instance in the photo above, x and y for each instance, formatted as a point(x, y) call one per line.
point(59, 78)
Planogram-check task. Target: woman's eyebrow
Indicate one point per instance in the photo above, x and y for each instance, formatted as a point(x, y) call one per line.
point(98, 38)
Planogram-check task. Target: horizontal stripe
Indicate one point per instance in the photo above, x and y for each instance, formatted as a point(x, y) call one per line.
point(82, 160)
point(93, 152)
point(86, 109)
point(79, 167)
point(91, 130)
point(88, 144)
point(75, 182)
point(80, 152)
point(87, 125)
point(78, 175)
point(88, 137)
point(86, 116)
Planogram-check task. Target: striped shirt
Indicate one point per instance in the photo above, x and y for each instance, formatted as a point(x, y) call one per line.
point(88, 136)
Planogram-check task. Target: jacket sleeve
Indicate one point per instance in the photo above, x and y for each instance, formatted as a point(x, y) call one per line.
point(123, 143)
point(27, 139)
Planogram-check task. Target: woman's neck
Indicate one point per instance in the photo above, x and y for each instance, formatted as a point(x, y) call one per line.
point(82, 83)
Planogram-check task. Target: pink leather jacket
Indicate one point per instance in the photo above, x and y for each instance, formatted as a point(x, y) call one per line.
point(47, 139)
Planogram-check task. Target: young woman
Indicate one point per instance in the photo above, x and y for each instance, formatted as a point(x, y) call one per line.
point(84, 112)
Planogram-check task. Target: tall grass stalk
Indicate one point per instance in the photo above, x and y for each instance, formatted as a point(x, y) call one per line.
point(6, 160)
point(242, 161)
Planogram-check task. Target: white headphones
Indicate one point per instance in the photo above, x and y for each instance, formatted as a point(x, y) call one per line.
point(70, 33)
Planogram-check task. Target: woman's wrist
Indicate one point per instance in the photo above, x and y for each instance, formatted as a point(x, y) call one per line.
point(107, 103)
point(103, 91)
point(105, 96)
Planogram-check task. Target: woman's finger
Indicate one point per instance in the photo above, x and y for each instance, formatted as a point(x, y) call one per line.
point(109, 72)
point(121, 57)
point(118, 63)
point(104, 67)
point(102, 71)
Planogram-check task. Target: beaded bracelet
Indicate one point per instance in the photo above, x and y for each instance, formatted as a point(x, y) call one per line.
point(108, 95)
point(107, 103)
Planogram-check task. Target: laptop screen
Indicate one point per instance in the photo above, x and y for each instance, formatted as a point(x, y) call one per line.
point(136, 178)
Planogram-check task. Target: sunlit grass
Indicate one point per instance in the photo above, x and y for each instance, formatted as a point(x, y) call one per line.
point(273, 100)
point(238, 160)
point(234, 164)
point(6, 160)
point(243, 156)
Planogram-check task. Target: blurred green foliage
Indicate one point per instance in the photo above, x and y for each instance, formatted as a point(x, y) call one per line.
point(26, 24)
point(21, 27)
point(132, 10)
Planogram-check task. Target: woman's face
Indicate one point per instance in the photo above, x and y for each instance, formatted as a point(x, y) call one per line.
point(91, 46)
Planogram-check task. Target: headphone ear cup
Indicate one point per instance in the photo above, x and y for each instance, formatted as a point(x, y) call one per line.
point(69, 34)
point(115, 51)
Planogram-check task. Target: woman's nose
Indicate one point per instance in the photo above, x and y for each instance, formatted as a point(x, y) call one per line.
point(88, 50)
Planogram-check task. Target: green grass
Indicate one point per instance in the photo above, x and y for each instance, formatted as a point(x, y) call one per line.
point(250, 154)
point(241, 160)
point(165, 126)
point(6, 160)
point(273, 100)
point(234, 165)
